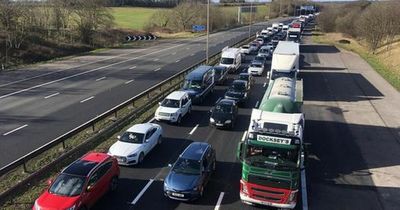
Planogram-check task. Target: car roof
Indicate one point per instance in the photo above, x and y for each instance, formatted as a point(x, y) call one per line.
point(238, 81)
point(176, 95)
point(198, 73)
point(84, 165)
point(140, 128)
point(195, 150)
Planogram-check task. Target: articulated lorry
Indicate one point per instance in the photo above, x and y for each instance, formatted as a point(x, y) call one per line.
point(285, 60)
point(272, 151)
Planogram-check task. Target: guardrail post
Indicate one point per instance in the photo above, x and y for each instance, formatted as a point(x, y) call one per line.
point(116, 114)
point(133, 103)
point(93, 128)
point(25, 169)
point(63, 144)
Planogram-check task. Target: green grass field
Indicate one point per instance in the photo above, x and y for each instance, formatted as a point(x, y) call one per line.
point(136, 17)
point(132, 17)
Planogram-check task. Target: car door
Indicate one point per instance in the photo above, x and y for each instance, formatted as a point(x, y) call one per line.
point(148, 143)
point(98, 183)
point(185, 107)
point(209, 162)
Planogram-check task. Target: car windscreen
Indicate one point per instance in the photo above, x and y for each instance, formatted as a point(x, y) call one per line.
point(131, 137)
point(187, 166)
point(255, 65)
point(259, 58)
point(226, 60)
point(192, 84)
point(67, 185)
point(223, 108)
point(170, 103)
point(264, 50)
point(219, 71)
point(244, 77)
point(238, 87)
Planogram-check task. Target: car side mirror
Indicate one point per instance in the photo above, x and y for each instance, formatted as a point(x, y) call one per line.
point(49, 181)
point(159, 103)
point(170, 165)
point(118, 137)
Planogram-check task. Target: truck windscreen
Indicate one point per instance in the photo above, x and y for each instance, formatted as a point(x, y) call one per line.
point(271, 157)
point(226, 60)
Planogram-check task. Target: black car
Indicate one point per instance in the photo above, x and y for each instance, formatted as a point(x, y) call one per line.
point(224, 113)
point(275, 40)
point(238, 91)
point(248, 78)
point(220, 74)
point(190, 173)
point(281, 35)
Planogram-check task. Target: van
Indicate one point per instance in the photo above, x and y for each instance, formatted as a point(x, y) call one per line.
point(231, 58)
point(199, 83)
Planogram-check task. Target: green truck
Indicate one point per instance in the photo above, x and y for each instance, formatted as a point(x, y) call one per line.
point(272, 150)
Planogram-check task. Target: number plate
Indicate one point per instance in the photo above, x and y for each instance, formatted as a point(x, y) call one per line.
point(219, 124)
point(178, 195)
point(266, 203)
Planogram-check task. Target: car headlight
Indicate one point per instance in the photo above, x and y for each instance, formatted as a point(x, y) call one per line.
point(132, 155)
point(245, 95)
point(251, 135)
point(71, 208)
point(212, 119)
point(196, 188)
point(36, 206)
point(228, 121)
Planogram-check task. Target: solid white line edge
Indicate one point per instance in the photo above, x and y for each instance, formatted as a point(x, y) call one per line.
point(194, 129)
point(221, 196)
point(142, 192)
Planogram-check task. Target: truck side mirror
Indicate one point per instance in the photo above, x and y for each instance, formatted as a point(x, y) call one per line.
point(306, 148)
point(239, 151)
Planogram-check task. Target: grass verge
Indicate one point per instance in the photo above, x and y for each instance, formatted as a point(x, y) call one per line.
point(379, 62)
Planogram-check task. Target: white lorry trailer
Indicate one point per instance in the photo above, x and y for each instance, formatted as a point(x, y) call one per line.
point(285, 60)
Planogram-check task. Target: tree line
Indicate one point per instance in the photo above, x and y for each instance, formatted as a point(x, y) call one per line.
point(377, 23)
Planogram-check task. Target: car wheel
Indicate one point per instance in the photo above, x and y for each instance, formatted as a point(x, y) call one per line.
point(114, 184)
point(141, 158)
point(178, 121)
point(159, 141)
point(214, 167)
point(190, 109)
point(201, 191)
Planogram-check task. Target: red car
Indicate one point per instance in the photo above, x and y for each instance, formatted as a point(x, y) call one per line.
point(80, 184)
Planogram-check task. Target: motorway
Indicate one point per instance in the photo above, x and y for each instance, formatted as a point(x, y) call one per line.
point(42, 102)
point(347, 118)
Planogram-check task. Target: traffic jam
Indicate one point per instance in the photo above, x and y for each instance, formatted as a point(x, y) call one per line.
point(271, 153)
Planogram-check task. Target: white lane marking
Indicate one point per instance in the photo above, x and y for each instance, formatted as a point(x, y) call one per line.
point(221, 196)
point(12, 131)
point(158, 69)
point(151, 120)
point(188, 48)
point(129, 81)
point(304, 190)
point(244, 136)
point(194, 129)
point(177, 60)
point(156, 59)
point(268, 74)
point(90, 98)
point(192, 54)
point(61, 70)
point(85, 72)
point(99, 79)
point(54, 94)
point(142, 192)
point(133, 67)
point(257, 104)
point(174, 53)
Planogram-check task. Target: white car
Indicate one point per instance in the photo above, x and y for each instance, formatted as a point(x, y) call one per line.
point(265, 51)
point(136, 143)
point(245, 49)
point(256, 69)
point(174, 107)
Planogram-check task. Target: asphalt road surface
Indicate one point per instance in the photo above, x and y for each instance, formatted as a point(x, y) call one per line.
point(42, 102)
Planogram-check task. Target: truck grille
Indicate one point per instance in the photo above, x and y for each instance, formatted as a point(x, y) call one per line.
point(267, 191)
point(269, 182)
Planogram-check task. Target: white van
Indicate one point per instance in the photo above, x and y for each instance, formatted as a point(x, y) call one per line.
point(231, 58)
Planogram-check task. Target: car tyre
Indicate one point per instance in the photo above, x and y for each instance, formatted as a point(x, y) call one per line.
point(201, 191)
point(214, 167)
point(179, 120)
point(141, 158)
point(190, 109)
point(114, 184)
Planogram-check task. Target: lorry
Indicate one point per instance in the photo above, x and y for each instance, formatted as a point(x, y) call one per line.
point(231, 58)
point(272, 151)
point(285, 60)
point(275, 27)
point(294, 34)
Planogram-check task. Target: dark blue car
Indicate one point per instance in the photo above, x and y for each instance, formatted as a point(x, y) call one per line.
point(191, 172)
point(199, 83)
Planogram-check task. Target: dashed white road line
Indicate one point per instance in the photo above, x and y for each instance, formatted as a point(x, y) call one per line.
point(174, 53)
point(99, 79)
point(90, 98)
point(156, 59)
point(244, 136)
point(188, 48)
point(192, 54)
point(142, 192)
point(129, 81)
point(52, 95)
point(268, 73)
point(265, 85)
point(194, 129)
point(257, 104)
point(177, 60)
point(16, 129)
point(221, 196)
point(158, 69)
point(133, 67)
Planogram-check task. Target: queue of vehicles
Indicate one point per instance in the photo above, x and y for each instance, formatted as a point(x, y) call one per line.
point(272, 154)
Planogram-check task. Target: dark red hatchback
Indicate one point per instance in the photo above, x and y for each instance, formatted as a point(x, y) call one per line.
point(80, 184)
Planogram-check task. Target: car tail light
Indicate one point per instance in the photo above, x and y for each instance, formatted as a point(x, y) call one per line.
point(293, 196)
